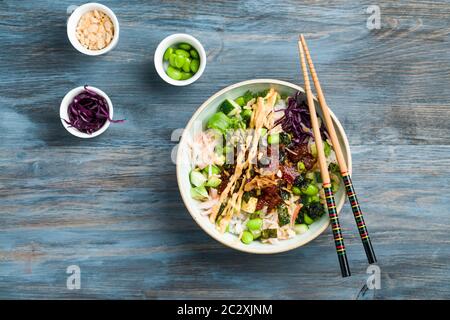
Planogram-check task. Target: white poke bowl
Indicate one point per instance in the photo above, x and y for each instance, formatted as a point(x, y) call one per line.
point(206, 110)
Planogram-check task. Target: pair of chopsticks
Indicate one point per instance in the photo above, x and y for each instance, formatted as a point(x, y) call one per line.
point(331, 205)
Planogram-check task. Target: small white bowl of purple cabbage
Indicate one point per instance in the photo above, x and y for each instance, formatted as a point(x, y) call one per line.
point(86, 112)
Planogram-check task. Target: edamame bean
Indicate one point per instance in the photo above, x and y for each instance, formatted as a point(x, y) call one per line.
point(247, 237)
point(167, 54)
point(296, 190)
point(310, 190)
point(173, 73)
point(187, 65)
point(186, 75)
point(307, 219)
point(194, 54)
point(194, 65)
point(179, 61)
point(254, 224)
point(172, 58)
point(300, 166)
point(182, 52)
point(184, 46)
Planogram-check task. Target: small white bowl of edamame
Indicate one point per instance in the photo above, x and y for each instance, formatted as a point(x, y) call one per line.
point(180, 59)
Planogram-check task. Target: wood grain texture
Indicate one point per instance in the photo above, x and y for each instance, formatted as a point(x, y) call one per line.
point(111, 204)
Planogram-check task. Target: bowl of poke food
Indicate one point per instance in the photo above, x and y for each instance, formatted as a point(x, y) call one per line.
point(247, 167)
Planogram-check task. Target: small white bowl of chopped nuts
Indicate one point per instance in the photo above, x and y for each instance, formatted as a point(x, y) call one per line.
point(93, 29)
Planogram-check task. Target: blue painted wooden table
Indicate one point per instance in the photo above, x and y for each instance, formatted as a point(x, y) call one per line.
point(111, 204)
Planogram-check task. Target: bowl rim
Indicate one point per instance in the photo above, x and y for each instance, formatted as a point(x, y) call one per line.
point(248, 249)
point(72, 25)
point(64, 106)
point(173, 39)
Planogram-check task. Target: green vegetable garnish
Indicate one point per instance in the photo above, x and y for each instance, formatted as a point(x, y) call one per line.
point(310, 190)
point(301, 228)
point(167, 54)
point(240, 101)
point(199, 193)
point(296, 190)
point(229, 107)
point(185, 46)
point(307, 219)
point(219, 121)
point(247, 237)
point(213, 182)
point(326, 149)
point(211, 169)
point(197, 178)
point(254, 224)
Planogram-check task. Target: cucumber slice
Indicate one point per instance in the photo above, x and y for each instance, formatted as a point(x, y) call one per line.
point(240, 101)
point(199, 193)
point(211, 169)
point(197, 178)
point(230, 107)
point(307, 219)
point(256, 234)
point(300, 228)
point(219, 121)
point(213, 182)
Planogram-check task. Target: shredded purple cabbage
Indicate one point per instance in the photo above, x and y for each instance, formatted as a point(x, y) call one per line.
point(88, 112)
point(296, 119)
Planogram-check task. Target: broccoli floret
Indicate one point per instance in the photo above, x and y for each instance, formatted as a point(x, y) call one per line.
point(301, 181)
point(283, 215)
point(285, 138)
point(315, 210)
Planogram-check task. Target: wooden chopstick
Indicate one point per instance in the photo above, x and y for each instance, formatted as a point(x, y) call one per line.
point(357, 213)
point(331, 205)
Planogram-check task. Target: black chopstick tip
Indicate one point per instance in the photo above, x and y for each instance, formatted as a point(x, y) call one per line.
point(345, 268)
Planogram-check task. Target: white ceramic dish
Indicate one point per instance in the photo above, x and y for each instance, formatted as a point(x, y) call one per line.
point(72, 23)
point(68, 98)
point(183, 168)
point(161, 65)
